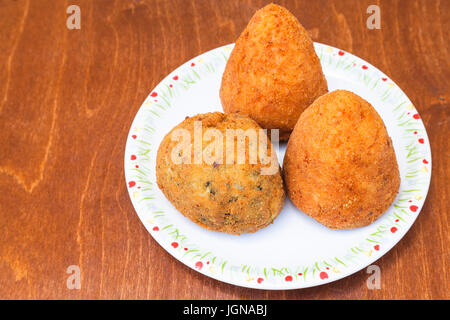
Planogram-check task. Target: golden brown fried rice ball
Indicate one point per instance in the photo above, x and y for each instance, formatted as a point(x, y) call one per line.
point(273, 73)
point(232, 198)
point(340, 166)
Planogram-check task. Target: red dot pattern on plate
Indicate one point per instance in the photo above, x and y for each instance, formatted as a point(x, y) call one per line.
point(131, 184)
point(323, 275)
point(416, 116)
point(199, 265)
point(175, 78)
point(413, 208)
point(341, 53)
point(174, 244)
point(376, 247)
point(155, 229)
point(134, 136)
point(288, 278)
point(384, 79)
point(421, 140)
point(192, 64)
point(425, 161)
point(365, 67)
point(393, 229)
point(153, 94)
point(133, 157)
point(260, 280)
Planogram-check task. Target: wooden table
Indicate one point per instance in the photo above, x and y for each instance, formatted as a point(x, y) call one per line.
point(67, 100)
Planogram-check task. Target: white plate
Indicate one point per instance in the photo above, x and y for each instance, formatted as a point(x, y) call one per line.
point(295, 251)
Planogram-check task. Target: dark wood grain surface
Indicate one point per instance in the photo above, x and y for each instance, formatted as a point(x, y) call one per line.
point(67, 100)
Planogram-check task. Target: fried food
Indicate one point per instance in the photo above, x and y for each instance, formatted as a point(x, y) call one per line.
point(340, 166)
point(273, 73)
point(215, 193)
